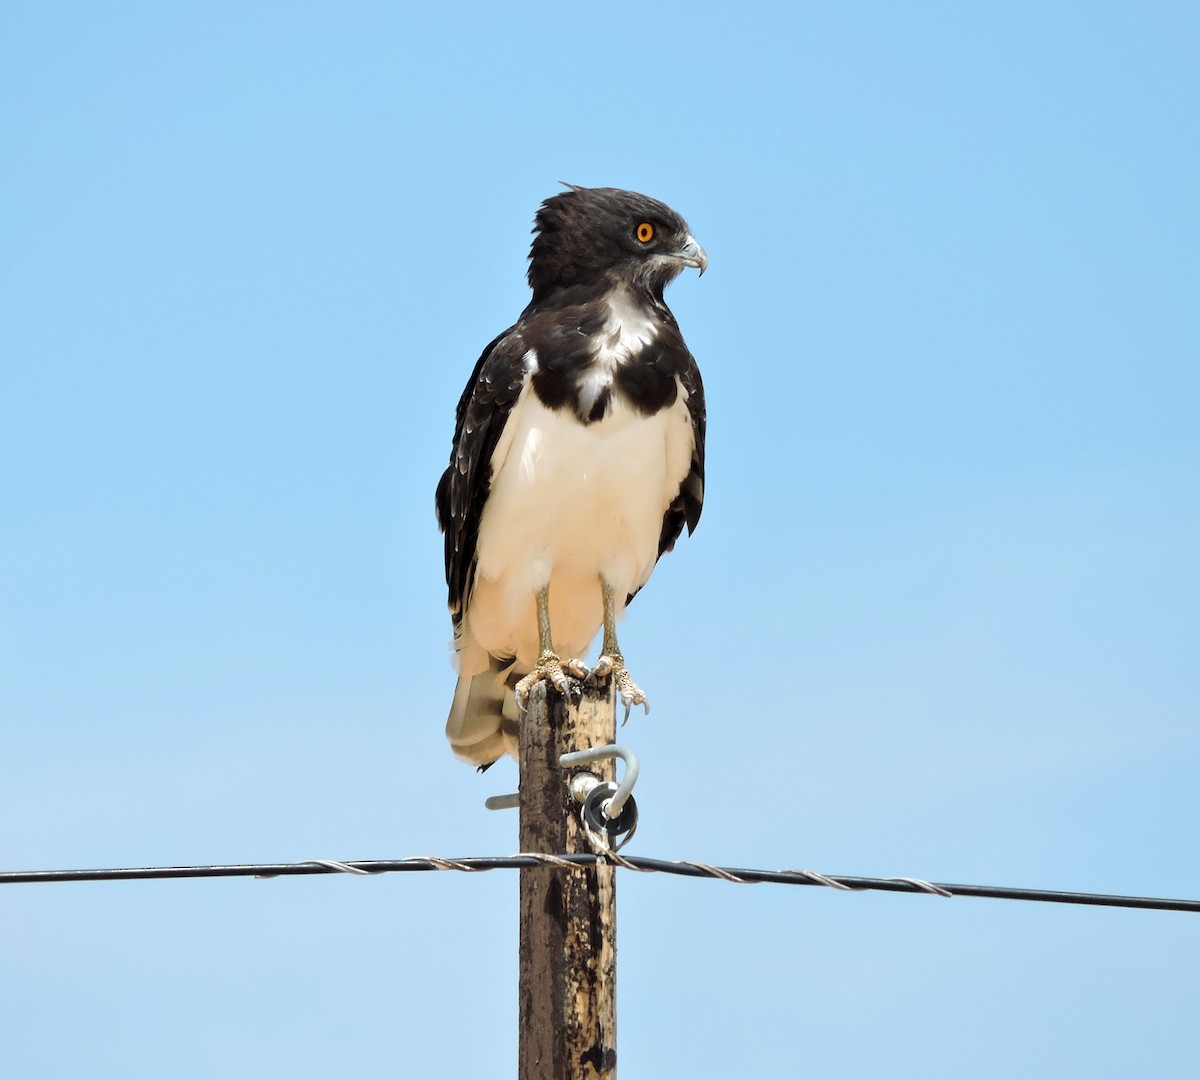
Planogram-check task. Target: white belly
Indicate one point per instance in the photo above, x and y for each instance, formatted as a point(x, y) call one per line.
point(570, 502)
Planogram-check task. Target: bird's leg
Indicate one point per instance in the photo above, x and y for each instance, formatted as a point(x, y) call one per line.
point(550, 665)
point(611, 661)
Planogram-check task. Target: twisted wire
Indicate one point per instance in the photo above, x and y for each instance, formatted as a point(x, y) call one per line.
point(527, 860)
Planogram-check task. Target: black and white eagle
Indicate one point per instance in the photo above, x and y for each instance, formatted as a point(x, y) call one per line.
point(578, 458)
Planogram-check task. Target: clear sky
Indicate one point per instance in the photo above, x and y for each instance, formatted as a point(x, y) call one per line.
point(939, 618)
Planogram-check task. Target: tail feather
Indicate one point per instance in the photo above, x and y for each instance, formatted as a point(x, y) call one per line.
point(483, 723)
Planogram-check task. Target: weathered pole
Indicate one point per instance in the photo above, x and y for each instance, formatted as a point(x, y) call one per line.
point(568, 966)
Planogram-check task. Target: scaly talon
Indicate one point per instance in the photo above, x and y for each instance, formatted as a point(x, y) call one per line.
point(558, 672)
point(631, 693)
point(577, 669)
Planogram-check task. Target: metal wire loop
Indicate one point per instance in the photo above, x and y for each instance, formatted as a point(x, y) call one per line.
point(340, 867)
point(822, 879)
point(924, 886)
point(447, 864)
point(717, 872)
point(548, 860)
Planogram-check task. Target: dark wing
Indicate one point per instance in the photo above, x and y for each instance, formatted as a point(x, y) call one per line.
point(483, 410)
point(686, 506)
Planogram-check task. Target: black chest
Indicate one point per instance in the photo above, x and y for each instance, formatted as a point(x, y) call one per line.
point(587, 359)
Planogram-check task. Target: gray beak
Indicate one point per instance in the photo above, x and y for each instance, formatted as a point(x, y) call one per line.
point(692, 254)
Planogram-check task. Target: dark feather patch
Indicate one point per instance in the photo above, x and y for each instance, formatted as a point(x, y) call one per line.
point(463, 489)
point(588, 233)
point(648, 382)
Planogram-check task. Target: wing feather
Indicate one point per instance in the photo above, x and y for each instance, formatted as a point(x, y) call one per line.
point(483, 410)
point(685, 508)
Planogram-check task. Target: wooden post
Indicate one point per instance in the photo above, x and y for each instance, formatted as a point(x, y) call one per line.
point(568, 917)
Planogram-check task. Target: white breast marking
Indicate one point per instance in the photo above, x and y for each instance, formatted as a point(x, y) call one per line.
point(627, 331)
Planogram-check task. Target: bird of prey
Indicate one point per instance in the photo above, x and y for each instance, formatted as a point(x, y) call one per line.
point(578, 458)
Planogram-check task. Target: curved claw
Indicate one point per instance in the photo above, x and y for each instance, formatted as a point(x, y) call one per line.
point(631, 694)
point(629, 700)
point(558, 672)
point(577, 669)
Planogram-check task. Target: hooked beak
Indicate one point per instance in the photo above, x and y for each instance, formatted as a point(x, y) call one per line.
point(692, 254)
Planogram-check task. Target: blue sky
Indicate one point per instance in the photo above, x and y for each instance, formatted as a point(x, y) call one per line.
point(939, 618)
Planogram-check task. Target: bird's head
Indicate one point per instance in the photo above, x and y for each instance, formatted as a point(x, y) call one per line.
point(591, 236)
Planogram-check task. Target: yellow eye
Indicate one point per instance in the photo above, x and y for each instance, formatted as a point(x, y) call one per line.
point(645, 232)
